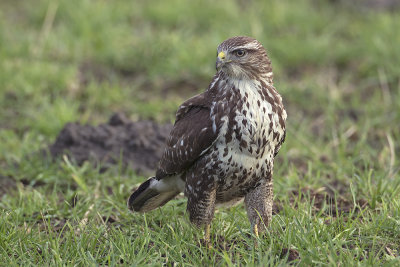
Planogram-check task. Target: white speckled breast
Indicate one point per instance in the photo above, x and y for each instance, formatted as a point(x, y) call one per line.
point(247, 140)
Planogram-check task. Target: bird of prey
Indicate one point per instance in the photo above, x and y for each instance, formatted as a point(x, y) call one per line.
point(222, 146)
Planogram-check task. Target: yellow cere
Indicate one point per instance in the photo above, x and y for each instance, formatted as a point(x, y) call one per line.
point(221, 55)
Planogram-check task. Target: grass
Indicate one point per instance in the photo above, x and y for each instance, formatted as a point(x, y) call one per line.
point(336, 66)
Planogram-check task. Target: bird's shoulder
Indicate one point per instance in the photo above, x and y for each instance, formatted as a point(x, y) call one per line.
point(199, 101)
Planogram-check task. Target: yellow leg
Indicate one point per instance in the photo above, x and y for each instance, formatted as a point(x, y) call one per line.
point(207, 236)
point(255, 229)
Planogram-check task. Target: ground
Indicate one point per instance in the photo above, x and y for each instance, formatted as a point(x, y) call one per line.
point(68, 66)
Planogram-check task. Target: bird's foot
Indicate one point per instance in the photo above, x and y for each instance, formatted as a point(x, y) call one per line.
point(255, 230)
point(207, 240)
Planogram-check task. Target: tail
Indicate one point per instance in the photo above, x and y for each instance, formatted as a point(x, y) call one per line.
point(150, 195)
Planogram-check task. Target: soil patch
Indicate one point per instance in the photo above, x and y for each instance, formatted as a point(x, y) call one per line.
point(292, 254)
point(139, 145)
point(323, 199)
point(6, 185)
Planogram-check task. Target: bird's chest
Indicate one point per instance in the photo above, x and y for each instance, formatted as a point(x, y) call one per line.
point(247, 125)
point(250, 128)
point(244, 146)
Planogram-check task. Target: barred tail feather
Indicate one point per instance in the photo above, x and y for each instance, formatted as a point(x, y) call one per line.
point(148, 196)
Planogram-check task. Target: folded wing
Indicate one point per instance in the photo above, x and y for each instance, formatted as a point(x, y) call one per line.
point(192, 135)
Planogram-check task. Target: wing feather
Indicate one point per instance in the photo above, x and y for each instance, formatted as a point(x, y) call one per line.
point(191, 136)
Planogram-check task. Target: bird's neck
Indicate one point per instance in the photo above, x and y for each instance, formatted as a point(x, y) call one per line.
point(222, 84)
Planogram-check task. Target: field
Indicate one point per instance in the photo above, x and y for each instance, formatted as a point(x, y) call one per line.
point(336, 178)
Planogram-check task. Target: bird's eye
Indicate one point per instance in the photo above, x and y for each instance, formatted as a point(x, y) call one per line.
point(240, 52)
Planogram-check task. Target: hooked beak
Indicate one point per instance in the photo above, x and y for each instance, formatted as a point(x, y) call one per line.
point(220, 60)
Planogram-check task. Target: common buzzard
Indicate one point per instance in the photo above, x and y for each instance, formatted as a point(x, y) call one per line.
point(223, 143)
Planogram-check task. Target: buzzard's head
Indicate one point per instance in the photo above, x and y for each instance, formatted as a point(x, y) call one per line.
point(243, 57)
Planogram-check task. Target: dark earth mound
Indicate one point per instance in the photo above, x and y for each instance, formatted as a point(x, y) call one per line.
point(7, 184)
point(292, 254)
point(139, 145)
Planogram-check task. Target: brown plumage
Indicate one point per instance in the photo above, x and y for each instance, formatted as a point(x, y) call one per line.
point(222, 146)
